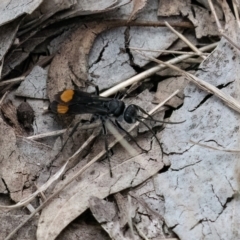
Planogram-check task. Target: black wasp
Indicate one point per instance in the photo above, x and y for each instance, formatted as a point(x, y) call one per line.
point(78, 102)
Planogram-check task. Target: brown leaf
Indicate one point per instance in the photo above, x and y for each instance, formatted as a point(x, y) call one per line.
point(171, 8)
point(10, 112)
point(138, 6)
point(71, 64)
point(167, 87)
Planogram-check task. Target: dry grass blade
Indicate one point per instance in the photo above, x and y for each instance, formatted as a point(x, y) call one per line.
point(151, 71)
point(169, 51)
point(220, 29)
point(14, 80)
point(195, 49)
point(215, 148)
point(96, 158)
point(235, 8)
point(60, 132)
point(3, 97)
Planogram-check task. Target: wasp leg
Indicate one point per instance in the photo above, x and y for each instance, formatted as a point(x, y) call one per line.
point(129, 135)
point(106, 146)
point(153, 133)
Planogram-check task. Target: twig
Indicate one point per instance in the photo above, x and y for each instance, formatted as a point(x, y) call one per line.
point(60, 132)
point(220, 29)
point(235, 8)
point(1, 67)
point(195, 49)
point(215, 148)
point(14, 80)
point(215, 15)
point(152, 71)
point(169, 51)
point(3, 97)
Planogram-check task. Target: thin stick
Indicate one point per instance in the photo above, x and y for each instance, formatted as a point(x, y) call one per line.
point(215, 148)
point(151, 71)
point(215, 15)
point(235, 8)
point(169, 51)
point(220, 29)
point(195, 49)
point(60, 132)
point(96, 158)
point(3, 97)
point(14, 80)
point(1, 67)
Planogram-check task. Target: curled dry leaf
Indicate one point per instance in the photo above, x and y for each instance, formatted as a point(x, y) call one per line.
point(200, 185)
point(70, 66)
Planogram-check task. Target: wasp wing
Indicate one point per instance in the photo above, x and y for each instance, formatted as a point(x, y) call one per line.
point(70, 97)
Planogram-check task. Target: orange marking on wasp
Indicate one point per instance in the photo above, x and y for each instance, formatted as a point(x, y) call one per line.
point(67, 95)
point(62, 108)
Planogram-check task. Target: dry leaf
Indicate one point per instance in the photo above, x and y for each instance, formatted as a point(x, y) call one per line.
point(168, 86)
point(70, 66)
point(74, 199)
point(138, 6)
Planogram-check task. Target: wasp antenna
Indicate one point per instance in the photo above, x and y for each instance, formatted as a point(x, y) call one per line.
point(150, 118)
point(153, 119)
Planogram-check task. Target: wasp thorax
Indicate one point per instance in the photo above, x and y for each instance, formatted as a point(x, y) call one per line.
point(116, 107)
